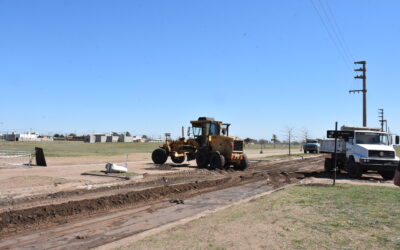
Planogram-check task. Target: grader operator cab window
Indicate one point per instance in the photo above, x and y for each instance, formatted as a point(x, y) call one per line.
point(214, 129)
point(225, 129)
point(200, 133)
point(197, 131)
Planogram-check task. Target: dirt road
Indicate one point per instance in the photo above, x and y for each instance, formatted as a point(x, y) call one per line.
point(65, 173)
point(113, 226)
point(75, 214)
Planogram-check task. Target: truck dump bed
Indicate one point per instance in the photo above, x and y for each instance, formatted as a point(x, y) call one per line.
point(328, 146)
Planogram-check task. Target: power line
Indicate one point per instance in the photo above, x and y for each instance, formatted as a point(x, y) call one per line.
point(335, 32)
point(339, 31)
point(331, 36)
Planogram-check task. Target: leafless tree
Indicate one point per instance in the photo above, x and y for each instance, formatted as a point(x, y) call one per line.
point(306, 134)
point(289, 132)
point(274, 139)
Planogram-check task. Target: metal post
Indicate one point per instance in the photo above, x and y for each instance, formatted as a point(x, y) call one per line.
point(334, 156)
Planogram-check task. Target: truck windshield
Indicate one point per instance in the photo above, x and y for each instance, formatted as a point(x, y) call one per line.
point(371, 138)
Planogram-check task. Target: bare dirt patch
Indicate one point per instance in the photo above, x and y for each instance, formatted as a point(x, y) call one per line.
point(41, 211)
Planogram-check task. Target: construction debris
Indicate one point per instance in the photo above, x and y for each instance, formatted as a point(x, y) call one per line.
point(114, 168)
point(40, 159)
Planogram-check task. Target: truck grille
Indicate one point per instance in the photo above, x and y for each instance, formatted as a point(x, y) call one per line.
point(237, 145)
point(381, 154)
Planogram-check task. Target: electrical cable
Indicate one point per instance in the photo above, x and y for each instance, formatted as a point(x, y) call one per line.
point(331, 36)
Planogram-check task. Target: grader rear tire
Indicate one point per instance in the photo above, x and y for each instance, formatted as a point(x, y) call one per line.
point(217, 161)
point(159, 156)
point(244, 163)
point(202, 159)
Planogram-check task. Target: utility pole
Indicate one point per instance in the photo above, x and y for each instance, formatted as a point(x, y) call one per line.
point(363, 76)
point(382, 120)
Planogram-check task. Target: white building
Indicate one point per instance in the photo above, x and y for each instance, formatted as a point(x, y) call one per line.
point(22, 137)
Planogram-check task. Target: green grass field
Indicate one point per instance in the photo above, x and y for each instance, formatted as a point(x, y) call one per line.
point(76, 149)
point(255, 148)
point(299, 217)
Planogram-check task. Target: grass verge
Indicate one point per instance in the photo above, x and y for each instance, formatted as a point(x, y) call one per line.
point(77, 149)
point(288, 156)
point(319, 216)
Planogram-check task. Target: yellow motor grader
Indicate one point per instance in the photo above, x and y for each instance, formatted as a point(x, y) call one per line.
point(209, 144)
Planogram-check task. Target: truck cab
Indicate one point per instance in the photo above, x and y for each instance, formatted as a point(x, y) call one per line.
point(311, 146)
point(367, 149)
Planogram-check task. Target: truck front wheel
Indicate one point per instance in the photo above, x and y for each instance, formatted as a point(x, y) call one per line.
point(387, 175)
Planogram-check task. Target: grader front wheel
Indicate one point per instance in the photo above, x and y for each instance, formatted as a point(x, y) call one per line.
point(159, 156)
point(177, 160)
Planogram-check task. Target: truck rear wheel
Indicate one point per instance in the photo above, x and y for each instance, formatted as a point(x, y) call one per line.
point(328, 166)
point(159, 156)
point(177, 160)
point(387, 175)
point(217, 161)
point(354, 169)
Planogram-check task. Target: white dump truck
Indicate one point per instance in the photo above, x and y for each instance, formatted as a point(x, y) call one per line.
point(360, 150)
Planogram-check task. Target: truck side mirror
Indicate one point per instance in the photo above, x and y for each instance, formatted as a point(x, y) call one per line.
point(188, 131)
point(397, 140)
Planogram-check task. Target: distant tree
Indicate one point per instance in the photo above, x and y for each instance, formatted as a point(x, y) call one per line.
point(62, 136)
point(274, 139)
point(56, 135)
point(127, 133)
point(262, 141)
point(306, 134)
point(249, 140)
point(72, 134)
point(289, 131)
point(145, 137)
point(114, 133)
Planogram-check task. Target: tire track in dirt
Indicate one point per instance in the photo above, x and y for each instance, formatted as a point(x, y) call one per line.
point(157, 189)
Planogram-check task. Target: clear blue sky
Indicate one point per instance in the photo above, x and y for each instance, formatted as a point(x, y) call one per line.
point(151, 66)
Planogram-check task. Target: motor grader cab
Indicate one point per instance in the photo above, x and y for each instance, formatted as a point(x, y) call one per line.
point(209, 143)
